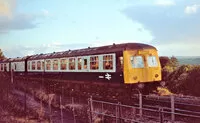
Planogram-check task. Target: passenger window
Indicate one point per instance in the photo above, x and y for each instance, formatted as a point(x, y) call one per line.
point(48, 64)
point(2, 67)
point(63, 64)
point(5, 67)
point(33, 65)
point(152, 62)
point(29, 66)
point(15, 66)
point(39, 65)
point(71, 63)
point(94, 63)
point(42, 65)
point(85, 63)
point(108, 62)
point(137, 61)
point(55, 65)
point(79, 63)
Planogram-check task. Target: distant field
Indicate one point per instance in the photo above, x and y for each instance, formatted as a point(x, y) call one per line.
point(195, 60)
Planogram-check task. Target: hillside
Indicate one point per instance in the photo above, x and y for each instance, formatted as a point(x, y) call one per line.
point(192, 60)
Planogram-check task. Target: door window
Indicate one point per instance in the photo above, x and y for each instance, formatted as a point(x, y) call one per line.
point(152, 62)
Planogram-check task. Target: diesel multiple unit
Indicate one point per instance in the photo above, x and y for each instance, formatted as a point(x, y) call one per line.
point(128, 63)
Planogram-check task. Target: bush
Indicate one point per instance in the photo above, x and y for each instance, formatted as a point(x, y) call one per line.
point(168, 66)
point(192, 83)
point(184, 80)
point(176, 79)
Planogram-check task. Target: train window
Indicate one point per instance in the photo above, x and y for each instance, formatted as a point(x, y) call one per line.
point(94, 62)
point(29, 66)
point(48, 64)
point(63, 64)
point(38, 65)
point(71, 63)
point(137, 61)
point(33, 65)
point(121, 61)
point(15, 66)
point(55, 65)
point(85, 63)
point(2, 67)
point(42, 65)
point(5, 67)
point(152, 62)
point(79, 63)
point(108, 62)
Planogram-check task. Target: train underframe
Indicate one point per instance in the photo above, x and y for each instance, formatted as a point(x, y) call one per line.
point(56, 83)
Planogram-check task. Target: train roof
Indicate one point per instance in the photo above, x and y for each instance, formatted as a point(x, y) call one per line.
point(18, 59)
point(92, 51)
point(4, 60)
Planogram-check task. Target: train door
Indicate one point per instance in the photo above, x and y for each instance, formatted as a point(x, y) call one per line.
point(85, 63)
point(133, 67)
point(1, 65)
point(10, 66)
point(13, 66)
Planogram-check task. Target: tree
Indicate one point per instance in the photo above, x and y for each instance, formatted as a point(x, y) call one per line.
point(192, 84)
point(1, 55)
point(164, 60)
point(174, 62)
point(168, 66)
point(171, 62)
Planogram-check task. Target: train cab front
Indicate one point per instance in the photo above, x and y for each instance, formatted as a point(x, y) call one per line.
point(142, 68)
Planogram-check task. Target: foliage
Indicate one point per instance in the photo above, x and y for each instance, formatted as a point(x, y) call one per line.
point(175, 81)
point(171, 62)
point(185, 80)
point(164, 60)
point(192, 83)
point(168, 66)
point(1, 55)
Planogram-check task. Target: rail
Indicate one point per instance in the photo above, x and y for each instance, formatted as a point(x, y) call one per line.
point(138, 112)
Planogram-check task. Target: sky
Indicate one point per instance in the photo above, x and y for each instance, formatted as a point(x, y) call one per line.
point(42, 26)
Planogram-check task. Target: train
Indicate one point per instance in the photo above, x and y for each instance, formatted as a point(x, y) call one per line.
point(124, 64)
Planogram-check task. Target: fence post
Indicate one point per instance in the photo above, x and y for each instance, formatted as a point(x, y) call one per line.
point(12, 76)
point(90, 108)
point(172, 109)
point(116, 113)
point(61, 106)
point(161, 115)
point(49, 102)
point(102, 110)
point(25, 105)
point(50, 96)
point(119, 111)
point(73, 110)
point(140, 104)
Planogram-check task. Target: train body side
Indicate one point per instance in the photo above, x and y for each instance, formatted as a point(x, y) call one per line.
point(86, 72)
point(128, 64)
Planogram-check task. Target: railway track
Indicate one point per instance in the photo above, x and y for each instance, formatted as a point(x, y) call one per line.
point(181, 107)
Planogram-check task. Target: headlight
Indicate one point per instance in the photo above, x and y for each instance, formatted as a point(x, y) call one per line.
point(156, 75)
point(135, 78)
